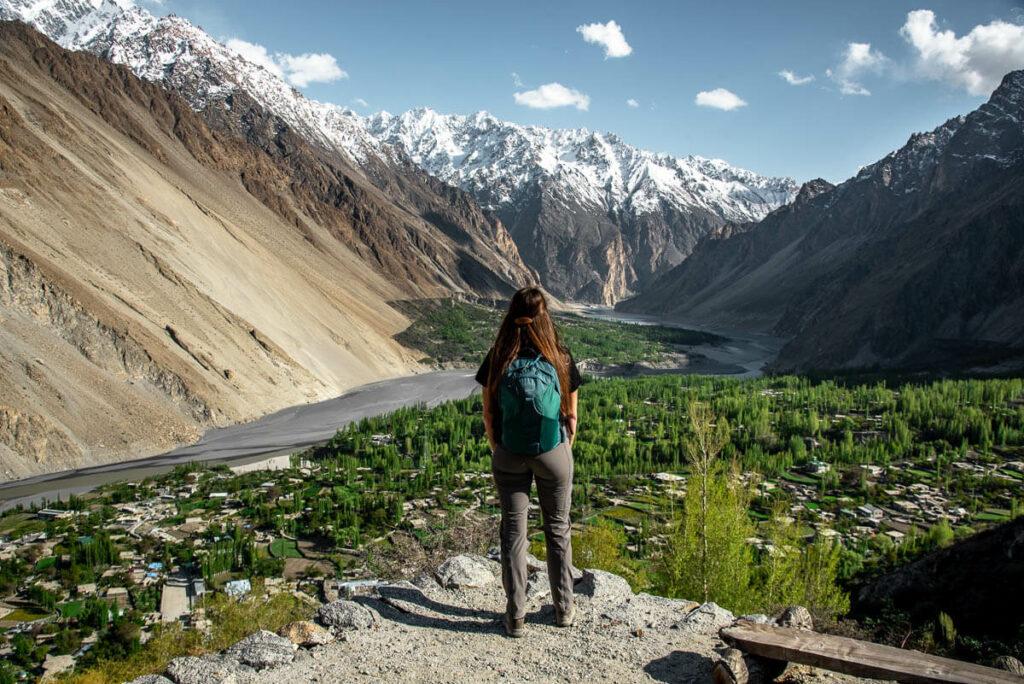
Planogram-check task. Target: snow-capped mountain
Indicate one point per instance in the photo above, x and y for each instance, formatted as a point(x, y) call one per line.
point(184, 58)
point(495, 159)
point(595, 216)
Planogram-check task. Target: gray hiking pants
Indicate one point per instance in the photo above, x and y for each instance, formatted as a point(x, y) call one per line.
point(513, 475)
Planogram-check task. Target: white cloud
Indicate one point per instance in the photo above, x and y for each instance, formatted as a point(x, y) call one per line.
point(298, 70)
point(858, 60)
point(361, 102)
point(719, 98)
point(632, 103)
point(607, 35)
point(975, 62)
point(792, 79)
point(552, 95)
point(516, 81)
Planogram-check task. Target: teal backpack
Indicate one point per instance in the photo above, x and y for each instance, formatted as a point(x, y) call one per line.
point(530, 407)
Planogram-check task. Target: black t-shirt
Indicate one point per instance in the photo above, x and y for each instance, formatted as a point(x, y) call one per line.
point(526, 351)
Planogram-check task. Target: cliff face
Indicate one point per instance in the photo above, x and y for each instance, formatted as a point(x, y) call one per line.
point(915, 263)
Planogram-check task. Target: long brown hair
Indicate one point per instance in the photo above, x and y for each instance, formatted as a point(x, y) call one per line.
point(528, 321)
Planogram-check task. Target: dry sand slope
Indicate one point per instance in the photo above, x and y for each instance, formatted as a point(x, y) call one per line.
point(144, 295)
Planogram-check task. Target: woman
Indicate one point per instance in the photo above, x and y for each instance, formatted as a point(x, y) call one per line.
point(529, 393)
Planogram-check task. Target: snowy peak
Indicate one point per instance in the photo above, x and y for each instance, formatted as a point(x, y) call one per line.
point(495, 159)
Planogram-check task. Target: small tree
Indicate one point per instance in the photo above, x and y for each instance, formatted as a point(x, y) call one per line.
point(707, 555)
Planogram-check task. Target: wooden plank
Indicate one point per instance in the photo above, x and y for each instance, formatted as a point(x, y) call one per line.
point(860, 658)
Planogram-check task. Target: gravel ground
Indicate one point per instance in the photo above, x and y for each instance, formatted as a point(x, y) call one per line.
point(425, 633)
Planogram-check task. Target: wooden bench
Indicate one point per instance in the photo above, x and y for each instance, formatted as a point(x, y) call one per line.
point(859, 658)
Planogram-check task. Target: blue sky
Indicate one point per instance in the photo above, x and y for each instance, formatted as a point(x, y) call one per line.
point(460, 56)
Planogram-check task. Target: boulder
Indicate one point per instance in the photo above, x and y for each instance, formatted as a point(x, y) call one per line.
point(796, 617)
point(345, 615)
point(262, 650)
point(306, 633)
point(604, 587)
point(757, 618)
point(213, 669)
point(538, 586)
point(151, 679)
point(1010, 664)
point(707, 618)
point(465, 572)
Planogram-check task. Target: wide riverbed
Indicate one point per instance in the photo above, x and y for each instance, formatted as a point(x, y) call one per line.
point(301, 426)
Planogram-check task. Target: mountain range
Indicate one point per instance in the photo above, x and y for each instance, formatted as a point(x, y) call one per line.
point(915, 263)
point(187, 241)
point(594, 217)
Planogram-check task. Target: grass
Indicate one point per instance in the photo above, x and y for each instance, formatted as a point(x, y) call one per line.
point(20, 524)
point(45, 563)
point(71, 609)
point(284, 548)
point(798, 478)
point(24, 615)
point(461, 333)
point(993, 515)
point(232, 621)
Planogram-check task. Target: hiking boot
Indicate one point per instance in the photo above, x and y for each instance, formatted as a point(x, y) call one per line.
point(515, 628)
point(565, 619)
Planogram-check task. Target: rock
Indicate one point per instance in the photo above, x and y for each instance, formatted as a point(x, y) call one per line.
point(207, 670)
point(465, 572)
point(306, 633)
point(1010, 664)
point(796, 617)
point(424, 580)
point(262, 650)
point(731, 669)
point(707, 618)
point(151, 679)
point(647, 611)
point(345, 615)
point(604, 587)
point(757, 618)
point(538, 586)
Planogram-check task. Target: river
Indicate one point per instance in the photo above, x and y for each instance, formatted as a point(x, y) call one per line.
point(297, 427)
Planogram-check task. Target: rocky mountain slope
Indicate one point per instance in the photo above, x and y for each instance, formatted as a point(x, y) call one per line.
point(958, 581)
point(916, 262)
point(596, 217)
point(444, 627)
point(412, 226)
point(162, 271)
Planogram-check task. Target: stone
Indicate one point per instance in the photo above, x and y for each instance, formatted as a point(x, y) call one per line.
point(707, 618)
point(604, 587)
point(207, 670)
point(645, 611)
point(306, 633)
point(731, 669)
point(538, 586)
point(757, 618)
point(262, 650)
point(465, 572)
point(1010, 664)
point(151, 679)
point(345, 615)
point(796, 617)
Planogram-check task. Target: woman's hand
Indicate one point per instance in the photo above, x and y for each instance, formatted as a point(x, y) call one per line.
point(571, 425)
